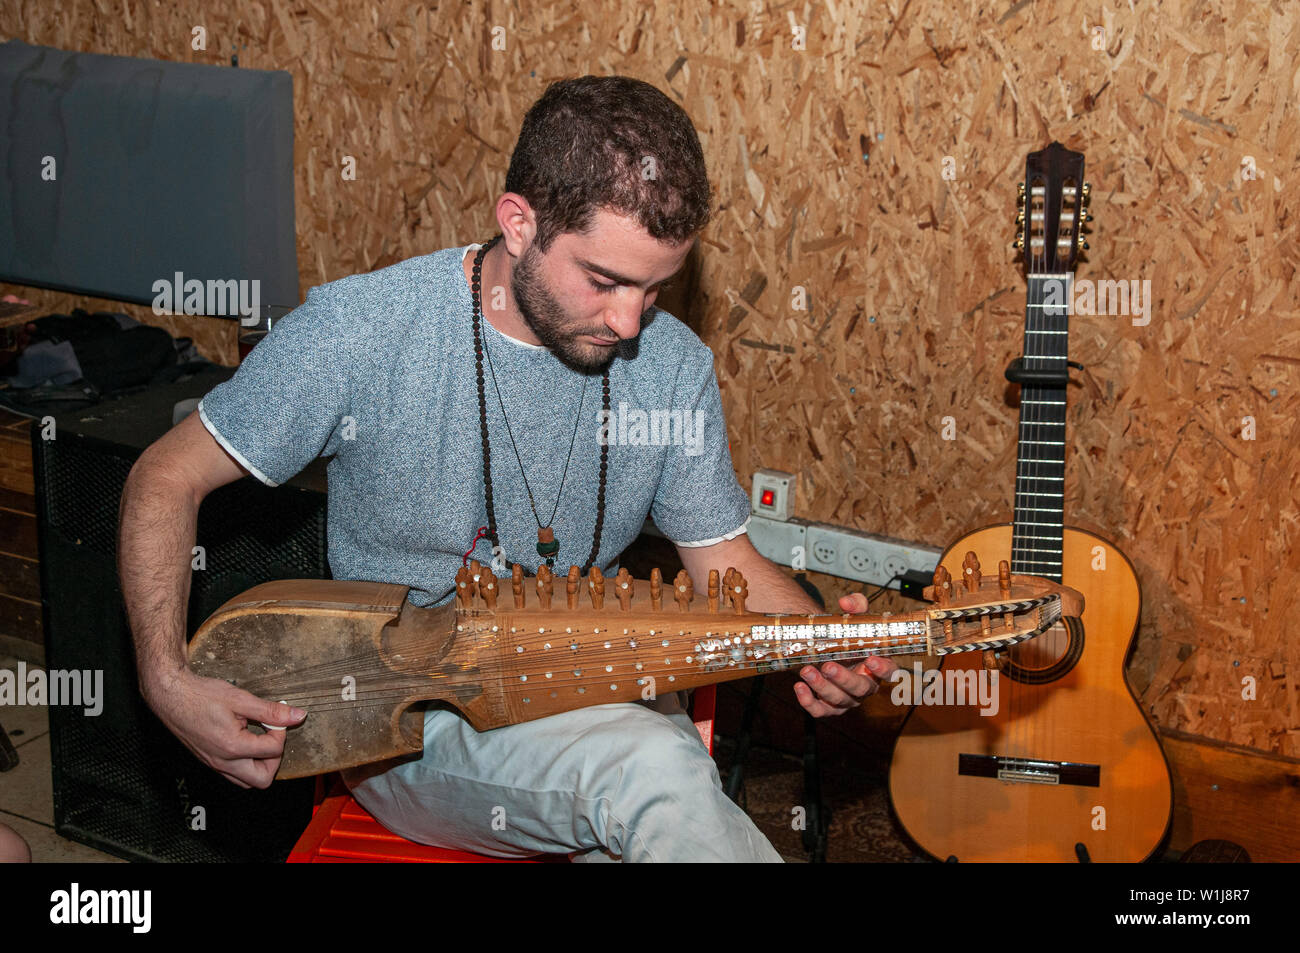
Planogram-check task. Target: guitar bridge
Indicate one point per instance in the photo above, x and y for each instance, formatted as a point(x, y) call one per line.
point(1029, 770)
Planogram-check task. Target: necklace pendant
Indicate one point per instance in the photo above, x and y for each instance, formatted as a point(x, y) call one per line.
point(547, 545)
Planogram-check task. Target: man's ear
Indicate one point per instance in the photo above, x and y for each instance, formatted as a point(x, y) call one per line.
point(518, 222)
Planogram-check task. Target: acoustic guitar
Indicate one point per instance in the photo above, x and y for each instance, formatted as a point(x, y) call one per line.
point(363, 662)
point(1068, 768)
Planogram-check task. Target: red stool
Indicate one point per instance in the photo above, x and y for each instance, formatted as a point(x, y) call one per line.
point(342, 831)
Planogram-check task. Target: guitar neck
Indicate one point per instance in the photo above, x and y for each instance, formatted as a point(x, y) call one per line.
point(1037, 532)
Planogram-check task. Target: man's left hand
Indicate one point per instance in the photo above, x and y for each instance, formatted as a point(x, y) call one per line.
point(834, 689)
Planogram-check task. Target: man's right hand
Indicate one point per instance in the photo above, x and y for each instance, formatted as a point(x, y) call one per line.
point(211, 718)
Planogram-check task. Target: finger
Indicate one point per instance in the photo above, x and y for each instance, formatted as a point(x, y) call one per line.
point(827, 690)
point(854, 602)
point(259, 772)
point(247, 744)
point(269, 713)
point(883, 668)
point(856, 681)
point(812, 704)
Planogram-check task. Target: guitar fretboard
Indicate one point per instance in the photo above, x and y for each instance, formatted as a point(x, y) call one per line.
point(1037, 533)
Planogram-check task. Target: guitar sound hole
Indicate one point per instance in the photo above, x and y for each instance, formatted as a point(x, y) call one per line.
point(1048, 657)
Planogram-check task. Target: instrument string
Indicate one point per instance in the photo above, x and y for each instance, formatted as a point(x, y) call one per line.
point(498, 663)
point(399, 686)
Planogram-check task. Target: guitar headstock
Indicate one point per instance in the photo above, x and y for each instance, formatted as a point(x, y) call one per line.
point(1053, 209)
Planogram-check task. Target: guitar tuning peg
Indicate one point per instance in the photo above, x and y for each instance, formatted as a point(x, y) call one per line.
point(1019, 243)
point(1087, 189)
point(1083, 243)
point(1020, 217)
point(656, 589)
point(596, 583)
point(1020, 188)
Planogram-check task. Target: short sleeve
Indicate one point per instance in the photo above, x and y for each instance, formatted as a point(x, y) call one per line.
point(698, 500)
point(284, 405)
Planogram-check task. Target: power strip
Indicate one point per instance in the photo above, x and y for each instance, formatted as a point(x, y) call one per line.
point(839, 551)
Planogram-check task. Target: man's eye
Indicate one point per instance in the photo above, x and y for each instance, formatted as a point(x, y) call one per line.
point(603, 288)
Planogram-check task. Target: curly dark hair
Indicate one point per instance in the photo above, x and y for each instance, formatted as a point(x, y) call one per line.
point(585, 145)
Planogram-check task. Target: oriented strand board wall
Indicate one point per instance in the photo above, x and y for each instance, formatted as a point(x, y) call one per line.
point(828, 161)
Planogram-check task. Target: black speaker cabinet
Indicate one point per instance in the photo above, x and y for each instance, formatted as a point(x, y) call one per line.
point(122, 782)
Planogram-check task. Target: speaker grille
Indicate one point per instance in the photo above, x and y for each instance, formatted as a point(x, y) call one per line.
point(122, 782)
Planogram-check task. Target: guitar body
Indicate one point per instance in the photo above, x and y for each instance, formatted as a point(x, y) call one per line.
point(1086, 715)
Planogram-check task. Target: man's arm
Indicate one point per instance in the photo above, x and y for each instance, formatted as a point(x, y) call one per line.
point(157, 522)
point(834, 689)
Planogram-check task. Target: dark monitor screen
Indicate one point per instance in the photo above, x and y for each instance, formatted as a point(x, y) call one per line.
point(147, 181)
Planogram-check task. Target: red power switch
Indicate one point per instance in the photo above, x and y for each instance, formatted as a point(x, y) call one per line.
point(768, 497)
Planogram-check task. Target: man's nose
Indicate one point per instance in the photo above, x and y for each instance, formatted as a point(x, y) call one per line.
point(624, 316)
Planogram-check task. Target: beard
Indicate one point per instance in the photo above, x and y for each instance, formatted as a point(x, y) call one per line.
point(547, 319)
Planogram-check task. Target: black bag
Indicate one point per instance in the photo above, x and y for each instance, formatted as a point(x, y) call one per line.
point(116, 355)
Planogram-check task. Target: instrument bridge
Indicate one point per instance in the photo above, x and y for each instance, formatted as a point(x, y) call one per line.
point(1029, 770)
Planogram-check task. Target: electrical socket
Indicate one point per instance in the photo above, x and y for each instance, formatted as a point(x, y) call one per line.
point(894, 566)
point(862, 563)
point(823, 551)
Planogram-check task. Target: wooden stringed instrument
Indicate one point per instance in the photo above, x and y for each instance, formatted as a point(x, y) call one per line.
point(360, 659)
point(1069, 767)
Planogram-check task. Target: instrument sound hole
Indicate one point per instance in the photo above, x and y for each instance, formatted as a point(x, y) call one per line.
point(1048, 657)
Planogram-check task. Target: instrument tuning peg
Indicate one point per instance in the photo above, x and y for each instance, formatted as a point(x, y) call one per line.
point(1083, 243)
point(1087, 189)
point(1020, 188)
point(740, 588)
point(683, 590)
point(623, 588)
point(1020, 217)
point(1019, 243)
point(571, 586)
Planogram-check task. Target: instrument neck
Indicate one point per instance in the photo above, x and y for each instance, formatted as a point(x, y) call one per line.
point(1038, 527)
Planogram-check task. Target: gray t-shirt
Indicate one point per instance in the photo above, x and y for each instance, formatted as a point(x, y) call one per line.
point(376, 372)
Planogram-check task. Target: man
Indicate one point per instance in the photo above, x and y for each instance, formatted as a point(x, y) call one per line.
point(465, 399)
